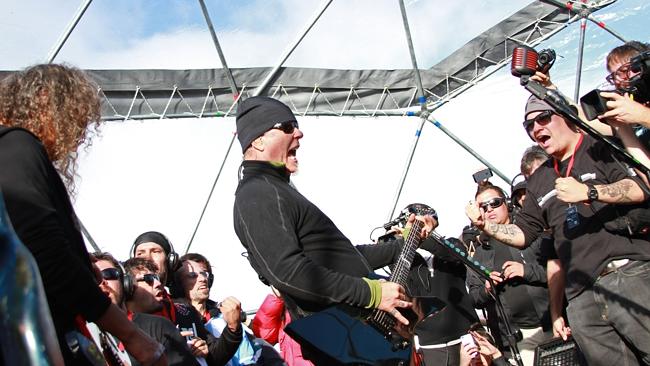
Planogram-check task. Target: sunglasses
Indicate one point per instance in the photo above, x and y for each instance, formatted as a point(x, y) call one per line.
point(207, 275)
point(623, 73)
point(110, 274)
point(541, 119)
point(286, 127)
point(149, 278)
point(496, 202)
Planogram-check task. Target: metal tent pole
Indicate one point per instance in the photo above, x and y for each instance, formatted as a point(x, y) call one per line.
point(215, 40)
point(50, 58)
point(290, 50)
point(64, 37)
point(85, 233)
point(581, 51)
point(235, 93)
point(233, 87)
point(469, 149)
point(585, 11)
point(423, 108)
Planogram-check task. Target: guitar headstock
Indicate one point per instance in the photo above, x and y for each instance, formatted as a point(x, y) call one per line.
point(419, 209)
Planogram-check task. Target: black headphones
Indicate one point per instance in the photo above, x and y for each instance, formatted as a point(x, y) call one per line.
point(128, 286)
point(155, 237)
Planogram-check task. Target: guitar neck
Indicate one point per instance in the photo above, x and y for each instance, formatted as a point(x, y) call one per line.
point(380, 319)
point(400, 273)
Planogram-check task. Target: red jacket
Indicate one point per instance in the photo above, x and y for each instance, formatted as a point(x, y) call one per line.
point(269, 323)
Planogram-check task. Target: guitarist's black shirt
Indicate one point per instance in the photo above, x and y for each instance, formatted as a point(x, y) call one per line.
point(296, 248)
point(43, 217)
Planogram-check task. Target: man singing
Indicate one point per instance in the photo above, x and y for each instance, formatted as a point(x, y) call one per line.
point(291, 243)
point(577, 190)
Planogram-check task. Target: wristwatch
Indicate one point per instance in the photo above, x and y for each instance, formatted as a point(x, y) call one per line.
point(592, 193)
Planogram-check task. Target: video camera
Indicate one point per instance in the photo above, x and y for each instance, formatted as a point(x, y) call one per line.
point(594, 105)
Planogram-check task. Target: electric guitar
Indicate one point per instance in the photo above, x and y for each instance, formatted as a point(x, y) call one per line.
point(347, 335)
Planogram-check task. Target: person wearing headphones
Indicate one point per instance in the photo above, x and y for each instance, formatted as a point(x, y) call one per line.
point(154, 245)
point(192, 283)
point(120, 288)
point(520, 280)
point(145, 275)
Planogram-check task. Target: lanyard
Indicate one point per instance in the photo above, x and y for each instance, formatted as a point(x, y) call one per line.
point(568, 170)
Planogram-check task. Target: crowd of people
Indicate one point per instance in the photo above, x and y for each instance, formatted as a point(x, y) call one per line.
point(567, 248)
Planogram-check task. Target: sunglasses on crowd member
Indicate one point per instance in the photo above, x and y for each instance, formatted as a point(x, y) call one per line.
point(495, 203)
point(286, 127)
point(207, 275)
point(541, 119)
point(620, 74)
point(149, 278)
point(110, 274)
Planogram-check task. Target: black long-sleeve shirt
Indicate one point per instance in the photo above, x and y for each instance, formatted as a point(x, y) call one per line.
point(42, 216)
point(296, 247)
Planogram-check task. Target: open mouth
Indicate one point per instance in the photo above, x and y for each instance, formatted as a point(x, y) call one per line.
point(291, 155)
point(542, 138)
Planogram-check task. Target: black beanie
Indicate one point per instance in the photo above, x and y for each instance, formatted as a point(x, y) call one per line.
point(153, 237)
point(257, 115)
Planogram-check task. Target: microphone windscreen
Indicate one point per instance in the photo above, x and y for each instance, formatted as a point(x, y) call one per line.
point(524, 61)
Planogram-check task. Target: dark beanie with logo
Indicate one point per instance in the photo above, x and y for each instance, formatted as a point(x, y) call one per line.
point(535, 104)
point(256, 115)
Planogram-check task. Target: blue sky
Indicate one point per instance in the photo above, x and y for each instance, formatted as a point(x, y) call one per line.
point(173, 34)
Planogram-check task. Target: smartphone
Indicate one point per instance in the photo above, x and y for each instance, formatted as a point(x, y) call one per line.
point(482, 175)
point(468, 339)
point(189, 337)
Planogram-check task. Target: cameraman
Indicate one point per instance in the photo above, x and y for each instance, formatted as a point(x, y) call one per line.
point(624, 111)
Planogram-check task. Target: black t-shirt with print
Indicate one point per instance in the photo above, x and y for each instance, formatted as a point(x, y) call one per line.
point(587, 248)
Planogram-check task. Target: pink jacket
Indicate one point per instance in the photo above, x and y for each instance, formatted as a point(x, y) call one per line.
point(269, 323)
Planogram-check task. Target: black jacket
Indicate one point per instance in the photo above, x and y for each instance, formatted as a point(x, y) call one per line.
point(534, 278)
point(163, 331)
point(295, 247)
point(185, 317)
point(446, 281)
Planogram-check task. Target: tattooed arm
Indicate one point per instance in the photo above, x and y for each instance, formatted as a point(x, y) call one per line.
point(625, 190)
point(509, 234)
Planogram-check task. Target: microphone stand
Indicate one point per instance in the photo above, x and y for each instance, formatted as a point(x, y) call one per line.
point(484, 273)
point(562, 106)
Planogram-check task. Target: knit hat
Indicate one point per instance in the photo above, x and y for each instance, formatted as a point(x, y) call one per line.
point(257, 115)
point(152, 237)
point(535, 104)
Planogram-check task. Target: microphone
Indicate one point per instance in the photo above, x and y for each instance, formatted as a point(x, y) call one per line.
point(398, 220)
point(524, 61)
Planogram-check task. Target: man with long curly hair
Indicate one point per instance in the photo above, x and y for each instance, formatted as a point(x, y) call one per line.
point(46, 112)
